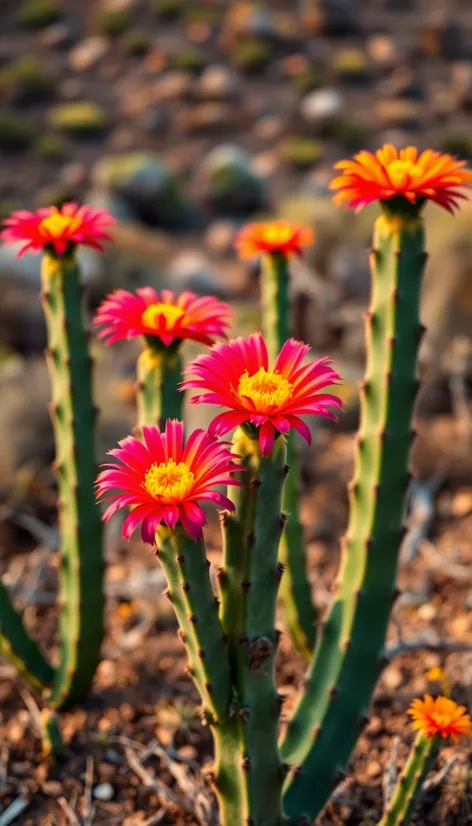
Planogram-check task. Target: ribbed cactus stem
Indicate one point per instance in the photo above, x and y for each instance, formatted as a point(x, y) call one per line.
point(20, 649)
point(233, 575)
point(159, 376)
point(73, 415)
point(300, 613)
point(421, 760)
point(52, 742)
point(341, 680)
point(189, 589)
point(260, 700)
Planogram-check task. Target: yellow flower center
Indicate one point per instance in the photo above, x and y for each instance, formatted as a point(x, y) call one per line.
point(399, 172)
point(170, 312)
point(277, 233)
point(169, 481)
point(57, 224)
point(265, 388)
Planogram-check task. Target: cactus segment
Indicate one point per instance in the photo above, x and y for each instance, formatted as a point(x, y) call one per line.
point(344, 670)
point(261, 703)
point(422, 757)
point(300, 613)
point(189, 589)
point(159, 376)
point(73, 415)
point(20, 649)
point(234, 573)
point(185, 566)
point(53, 744)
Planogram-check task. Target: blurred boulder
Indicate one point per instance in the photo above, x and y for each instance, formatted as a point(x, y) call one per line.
point(230, 183)
point(143, 182)
point(192, 270)
point(323, 106)
point(331, 17)
point(22, 324)
point(218, 83)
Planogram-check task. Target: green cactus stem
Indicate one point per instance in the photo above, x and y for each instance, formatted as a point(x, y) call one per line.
point(399, 809)
point(341, 680)
point(300, 613)
point(233, 575)
point(73, 415)
point(53, 744)
point(20, 649)
point(189, 589)
point(159, 376)
point(261, 704)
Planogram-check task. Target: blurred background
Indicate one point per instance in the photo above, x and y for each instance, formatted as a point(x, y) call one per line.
point(187, 119)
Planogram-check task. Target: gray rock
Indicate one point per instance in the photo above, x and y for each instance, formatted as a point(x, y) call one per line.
point(22, 324)
point(192, 270)
point(143, 181)
point(322, 106)
point(29, 266)
point(104, 792)
point(230, 183)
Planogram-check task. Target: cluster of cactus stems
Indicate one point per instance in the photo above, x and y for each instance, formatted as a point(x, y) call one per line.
point(81, 569)
point(261, 778)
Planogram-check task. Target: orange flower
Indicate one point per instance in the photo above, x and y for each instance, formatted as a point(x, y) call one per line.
point(273, 236)
point(391, 173)
point(57, 229)
point(440, 716)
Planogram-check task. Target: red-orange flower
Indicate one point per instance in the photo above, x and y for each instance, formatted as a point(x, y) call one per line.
point(58, 229)
point(440, 716)
point(165, 479)
point(273, 236)
point(269, 400)
point(166, 316)
point(390, 173)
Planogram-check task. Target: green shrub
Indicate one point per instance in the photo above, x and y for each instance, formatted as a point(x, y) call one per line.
point(49, 147)
point(351, 133)
point(135, 43)
point(167, 9)
point(81, 118)
point(252, 55)
point(308, 80)
point(26, 78)
point(191, 59)
point(350, 65)
point(113, 22)
point(16, 132)
point(53, 195)
point(35, 14)
point(302, 152)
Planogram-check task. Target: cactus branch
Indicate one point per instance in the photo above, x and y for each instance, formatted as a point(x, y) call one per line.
point(189, 589)
point(260, 699)
point(345, 666)
point(408, 788)
point(300, 613)
point(159, 376)
point(20, 649)
point(73, 416)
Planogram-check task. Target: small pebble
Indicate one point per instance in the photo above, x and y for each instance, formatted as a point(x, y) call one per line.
point(104, 792)
point(52, 788)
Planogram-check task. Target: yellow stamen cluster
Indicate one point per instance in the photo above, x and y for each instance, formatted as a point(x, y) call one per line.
point(154, 312)
point(400, 172)
point(169, 481)
point(266, 388)
point(57, 224)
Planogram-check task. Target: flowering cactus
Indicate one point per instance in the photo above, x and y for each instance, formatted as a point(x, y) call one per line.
point(275, 243)
point(57, 233)
point(263, 389)
point(435, 720)
point(163, 321)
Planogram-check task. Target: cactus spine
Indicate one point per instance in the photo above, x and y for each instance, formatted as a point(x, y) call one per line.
point(423, 755)
point(73, 415)
point(190, 592)
point(342, 677)
point(159, 375)
point(20, 649)
point(295, 594)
